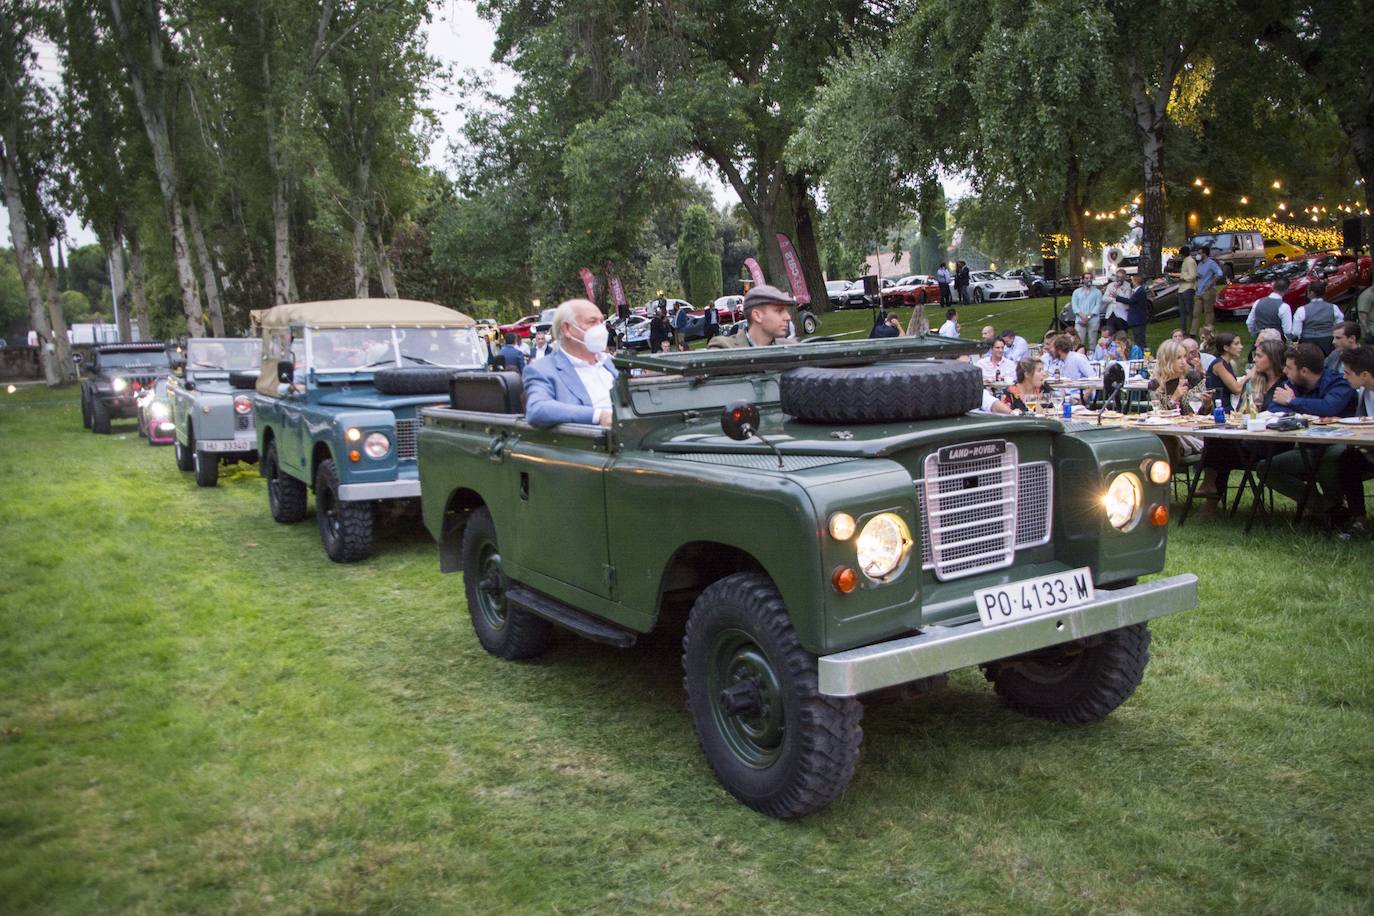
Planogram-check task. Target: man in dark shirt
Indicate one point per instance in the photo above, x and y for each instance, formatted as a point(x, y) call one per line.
point(510, 355)
point(1355, 465)
point(1310, 388)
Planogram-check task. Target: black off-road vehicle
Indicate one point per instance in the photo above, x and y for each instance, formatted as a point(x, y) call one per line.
point(115, 377)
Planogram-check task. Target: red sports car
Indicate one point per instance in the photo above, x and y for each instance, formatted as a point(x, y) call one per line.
point(1343, 273)
point(913, 290)
point(522, 328)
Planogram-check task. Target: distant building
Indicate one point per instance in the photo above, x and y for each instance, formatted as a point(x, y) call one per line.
point(892, 264)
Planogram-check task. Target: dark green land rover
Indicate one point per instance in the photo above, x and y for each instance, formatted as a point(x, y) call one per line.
point(824, 524)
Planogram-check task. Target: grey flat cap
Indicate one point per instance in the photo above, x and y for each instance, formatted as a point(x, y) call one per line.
point(763, 294)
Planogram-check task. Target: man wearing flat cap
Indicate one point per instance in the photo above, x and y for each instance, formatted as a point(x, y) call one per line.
point(766, 308)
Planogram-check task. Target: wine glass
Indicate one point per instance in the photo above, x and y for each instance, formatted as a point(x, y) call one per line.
point(1196, 396)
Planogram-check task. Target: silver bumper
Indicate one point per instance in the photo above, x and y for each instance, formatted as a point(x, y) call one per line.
point(941, 649)
point(391, 489)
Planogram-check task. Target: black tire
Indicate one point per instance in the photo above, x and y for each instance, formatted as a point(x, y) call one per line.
point(182, 454)
point(977, 294)
point(100, 417)
point(85, 410)
point(285, 494)
point(243, 379)
point(206, 467)
point(809, 323)
point(883, 393)
point(1077, 683)
point(345, 527)
point(412, 380)
point(503, 631)
point(786, 750)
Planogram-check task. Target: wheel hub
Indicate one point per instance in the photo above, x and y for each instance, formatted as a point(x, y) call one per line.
point(743, 698)
point(748, 708)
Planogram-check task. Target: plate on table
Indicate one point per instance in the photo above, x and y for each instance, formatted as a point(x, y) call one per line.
point(1355, 421)
point(1157, 421)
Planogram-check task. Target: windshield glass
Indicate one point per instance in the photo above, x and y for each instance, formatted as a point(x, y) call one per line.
point(1273, 272)
point(986, 275)
point(156, 358)
point(1223, 241)
point(361, 349)
point(223, 355)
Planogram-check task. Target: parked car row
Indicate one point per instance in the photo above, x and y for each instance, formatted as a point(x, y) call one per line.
point(867, 548)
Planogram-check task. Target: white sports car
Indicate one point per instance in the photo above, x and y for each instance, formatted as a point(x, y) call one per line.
point(987, 285)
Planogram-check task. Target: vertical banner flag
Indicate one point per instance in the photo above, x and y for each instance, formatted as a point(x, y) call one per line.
point(794, 269)
point(617, 293)
point(755, 272)
point(588, 282)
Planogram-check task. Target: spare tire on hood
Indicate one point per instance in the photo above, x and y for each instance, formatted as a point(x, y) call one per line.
point(883, 393)
point(243, 379)
point(412, 380)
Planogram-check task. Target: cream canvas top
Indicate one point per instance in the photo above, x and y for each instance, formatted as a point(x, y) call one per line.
point(361, 313)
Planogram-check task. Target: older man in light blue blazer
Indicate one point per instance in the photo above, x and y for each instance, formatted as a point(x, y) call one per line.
point(574, 384)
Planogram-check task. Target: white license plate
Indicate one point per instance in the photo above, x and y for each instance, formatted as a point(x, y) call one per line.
point(1033, 597)
point(227, 445)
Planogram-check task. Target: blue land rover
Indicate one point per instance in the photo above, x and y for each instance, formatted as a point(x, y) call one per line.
point(336, 406)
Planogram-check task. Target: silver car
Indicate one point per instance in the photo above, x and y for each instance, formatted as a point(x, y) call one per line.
point(212, 404)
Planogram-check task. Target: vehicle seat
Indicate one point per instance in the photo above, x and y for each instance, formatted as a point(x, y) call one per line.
point(487, 392)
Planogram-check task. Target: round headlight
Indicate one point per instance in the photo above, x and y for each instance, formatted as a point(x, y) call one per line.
point(1123, 501)
point(376, 445)
point(159, 410)
point(1159, 472)
point(841, 526)
point(119, 384)
point(353, 434)
point(883, 543)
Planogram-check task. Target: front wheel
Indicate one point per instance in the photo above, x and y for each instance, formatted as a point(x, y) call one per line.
point(85, 411)
point(978, 295)
point(1077, 683)
point(182, 454)
point(100, 417)
point(771, 738)
point(345, 527)
point(503, 631)
point(809, 324)
point(206, 467)
point(285, 495)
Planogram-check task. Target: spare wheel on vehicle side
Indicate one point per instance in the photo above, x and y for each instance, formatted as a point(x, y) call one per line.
point(243, 379)
point(882, 393)
point(412, 380)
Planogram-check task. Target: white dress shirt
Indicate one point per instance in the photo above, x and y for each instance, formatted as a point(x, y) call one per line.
point(1017, 348)
point(949, 329)
point(1071, 368)
point(1285, 315)
point(596, 380)
point(990, 369)
point(1301, 316)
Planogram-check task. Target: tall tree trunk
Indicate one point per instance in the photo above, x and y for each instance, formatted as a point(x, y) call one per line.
point(154, 118)
point(207, 271)
point(23, 252)
point(804, 240)
point(141, 317)
point(1152, 232)
point(384, 271)
point(62, 345)
point(1150, 107)
point(119, 284)
point(1073, 215)
point(357, 212)
point(282, 281)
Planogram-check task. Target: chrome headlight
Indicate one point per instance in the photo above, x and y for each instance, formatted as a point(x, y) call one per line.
point(1123, 501)
point(376, 445)
point(119, 385)
point(883, 543)
point(158, 410)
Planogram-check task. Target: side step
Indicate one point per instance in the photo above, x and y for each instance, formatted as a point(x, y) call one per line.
point(580, 622)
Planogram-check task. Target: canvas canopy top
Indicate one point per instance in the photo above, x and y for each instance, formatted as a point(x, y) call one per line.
point(360, 313)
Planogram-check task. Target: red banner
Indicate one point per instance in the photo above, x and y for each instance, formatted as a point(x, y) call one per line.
point(588, 282)
point(795, 277)
point(755, 271)
point(617, 291)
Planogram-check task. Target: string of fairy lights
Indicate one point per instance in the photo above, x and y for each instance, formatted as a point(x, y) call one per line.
point(1286, 221)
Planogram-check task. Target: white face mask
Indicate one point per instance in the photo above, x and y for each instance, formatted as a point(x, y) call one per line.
point(595, 339)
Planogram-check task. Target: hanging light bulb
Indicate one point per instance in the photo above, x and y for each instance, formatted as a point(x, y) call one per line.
point(1137, 200)
point(1197, 182)
point(1245, 200)
point(1283, 206)
point(1277, 184)
point(1207, 191)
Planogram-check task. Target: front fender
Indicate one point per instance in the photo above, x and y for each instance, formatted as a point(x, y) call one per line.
point(331, 430)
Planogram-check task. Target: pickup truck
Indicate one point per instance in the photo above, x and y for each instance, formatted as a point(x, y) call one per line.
point(335, 407)
point(824, 524)
point(114, 379)
point(210, 395)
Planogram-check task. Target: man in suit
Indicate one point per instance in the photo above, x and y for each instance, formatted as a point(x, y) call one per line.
point(961, 281)
point(542, 346)
point(510, 355)
point(766, 311)
point(574, 384)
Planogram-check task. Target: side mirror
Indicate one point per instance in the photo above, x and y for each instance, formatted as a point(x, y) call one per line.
point(286, 371)
point(739, 420)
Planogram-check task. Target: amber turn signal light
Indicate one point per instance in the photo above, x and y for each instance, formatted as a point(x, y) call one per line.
point(354, 455)
point(1159, 516)
point(845, 580)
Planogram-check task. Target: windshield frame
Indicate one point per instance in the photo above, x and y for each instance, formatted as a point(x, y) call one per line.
point(398, 358)
point(196, 367)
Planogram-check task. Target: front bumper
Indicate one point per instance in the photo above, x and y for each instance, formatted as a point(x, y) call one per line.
point(938, 650)
point(391, 489)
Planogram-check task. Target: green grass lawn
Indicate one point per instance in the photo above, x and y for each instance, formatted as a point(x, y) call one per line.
point(199, 712)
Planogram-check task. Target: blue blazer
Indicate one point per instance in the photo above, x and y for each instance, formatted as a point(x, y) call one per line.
point(554, 394)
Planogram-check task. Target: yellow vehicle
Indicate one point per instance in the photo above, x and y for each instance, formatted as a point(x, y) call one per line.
point(1274, 247)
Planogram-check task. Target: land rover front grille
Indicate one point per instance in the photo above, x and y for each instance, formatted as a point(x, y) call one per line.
point(405, 438)
point(979, 505)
